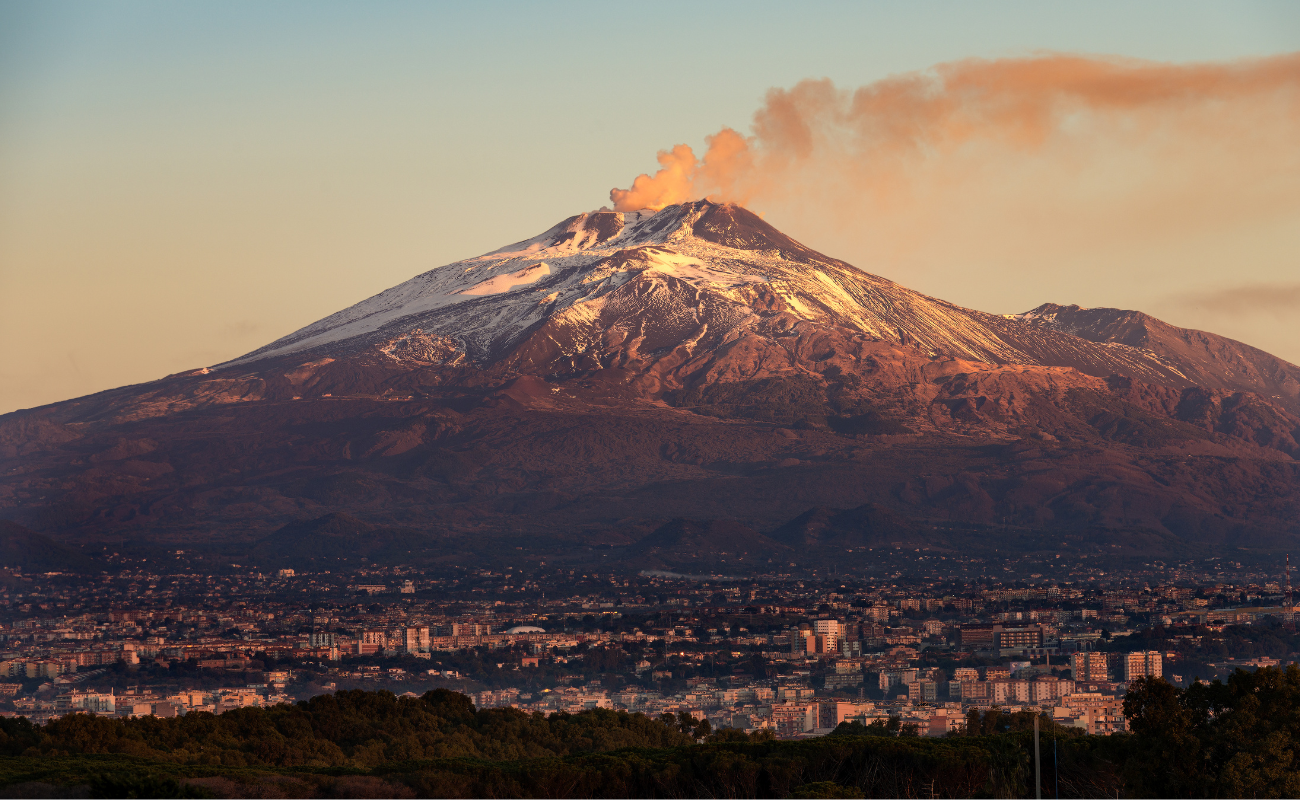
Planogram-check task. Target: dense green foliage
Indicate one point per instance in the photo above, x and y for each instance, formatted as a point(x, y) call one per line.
point(993, 721)
point(1238, 738)
point(859, 766)
point(353, 728)
point(1267, 637)
point(1234, 739)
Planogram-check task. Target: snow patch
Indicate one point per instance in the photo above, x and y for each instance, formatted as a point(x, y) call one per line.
point(694, 271)
point(504, 283)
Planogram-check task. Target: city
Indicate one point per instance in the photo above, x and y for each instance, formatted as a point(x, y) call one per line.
point(793, 656)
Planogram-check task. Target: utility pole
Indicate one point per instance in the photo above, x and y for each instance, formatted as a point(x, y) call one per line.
point(1056, 765)
point(1289, 605)
point(1038, 765)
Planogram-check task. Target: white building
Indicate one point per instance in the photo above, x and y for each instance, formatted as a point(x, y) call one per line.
point(94, 702)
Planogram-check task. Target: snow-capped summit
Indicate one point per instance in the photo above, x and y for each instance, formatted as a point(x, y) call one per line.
point(609, 288)
point(678, 275)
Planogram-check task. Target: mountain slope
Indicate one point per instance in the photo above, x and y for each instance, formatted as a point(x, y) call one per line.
point(1204, 359)
point(620, 371)
point(23, 549)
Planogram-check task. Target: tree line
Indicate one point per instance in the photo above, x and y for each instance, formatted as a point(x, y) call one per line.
point(1235, 738)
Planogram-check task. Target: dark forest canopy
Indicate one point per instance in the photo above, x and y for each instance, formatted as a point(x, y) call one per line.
point(1222, 739)
point(351, 728)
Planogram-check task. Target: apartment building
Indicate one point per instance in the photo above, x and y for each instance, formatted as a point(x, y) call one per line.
point(792, 719)
point(923, 691)
point(1089, 666)
point(1143, 663)
point(832, 713)
point(1097, 714)
point(1046, 689)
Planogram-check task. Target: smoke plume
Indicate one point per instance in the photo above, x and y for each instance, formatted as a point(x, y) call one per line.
point(1003, 184)
point(909, 137)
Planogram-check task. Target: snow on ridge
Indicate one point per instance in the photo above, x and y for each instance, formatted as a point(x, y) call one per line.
point(486, 303)
point(501, 271)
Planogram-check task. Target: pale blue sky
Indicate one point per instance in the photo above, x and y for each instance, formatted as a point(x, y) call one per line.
point(181, 182)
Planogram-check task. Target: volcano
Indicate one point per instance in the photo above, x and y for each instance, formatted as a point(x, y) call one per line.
point(625, 383)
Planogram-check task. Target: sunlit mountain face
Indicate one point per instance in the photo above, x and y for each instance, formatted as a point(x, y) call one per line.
point(681, 387)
